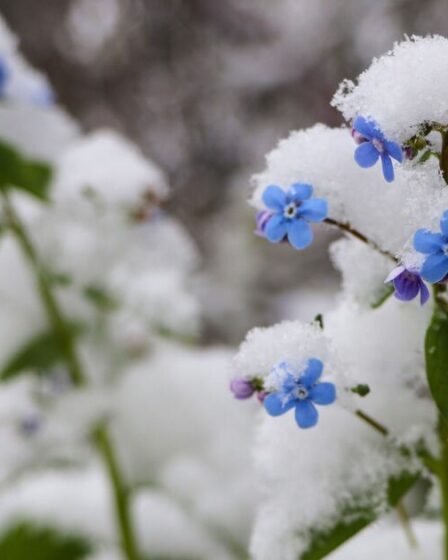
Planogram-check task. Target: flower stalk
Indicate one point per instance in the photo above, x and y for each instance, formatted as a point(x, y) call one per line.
point(347, 228)
point(64, 336)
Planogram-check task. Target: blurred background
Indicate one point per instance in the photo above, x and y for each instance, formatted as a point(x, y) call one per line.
point(206, 88)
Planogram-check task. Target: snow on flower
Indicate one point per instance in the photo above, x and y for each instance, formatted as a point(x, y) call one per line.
point(289, 388)
point(373, 146)
point(408, 284)
point(291, 212)
point(435, 248)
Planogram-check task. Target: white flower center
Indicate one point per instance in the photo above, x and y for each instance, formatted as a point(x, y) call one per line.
point(290, 210)
point(301, 393)
point(378, 145)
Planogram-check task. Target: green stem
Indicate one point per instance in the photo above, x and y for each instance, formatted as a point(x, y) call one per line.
point(64, 335)
point(57, 321)
point(121, 493)
point(443, 477)
point(372, 423)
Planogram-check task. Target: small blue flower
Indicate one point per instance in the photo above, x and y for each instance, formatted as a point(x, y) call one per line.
point(374, 145)
point(435, 246)
point(290, 213)
point(4, 76)
point(408, 283)
point(289, 389)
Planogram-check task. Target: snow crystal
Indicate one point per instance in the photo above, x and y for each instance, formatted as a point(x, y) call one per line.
point(289, 341)
point(402, 89)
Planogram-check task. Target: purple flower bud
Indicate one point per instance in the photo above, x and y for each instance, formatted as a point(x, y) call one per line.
point(241, 388)
point(261, 395)
point(262, 219)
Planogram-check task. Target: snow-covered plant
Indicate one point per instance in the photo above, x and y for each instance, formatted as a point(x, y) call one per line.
point(109, 413)
point(356, 403)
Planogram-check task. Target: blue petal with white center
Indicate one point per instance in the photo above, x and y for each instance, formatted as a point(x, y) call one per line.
point(290, 214)
point(302, 391)
point(435, 248)
point(374, 146)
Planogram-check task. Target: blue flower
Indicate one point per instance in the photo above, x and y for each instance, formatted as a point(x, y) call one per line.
point(4, 76)
point(435, 246)
point(298, 390)
point(408, 283)
point(374, 145)
point(290, 213)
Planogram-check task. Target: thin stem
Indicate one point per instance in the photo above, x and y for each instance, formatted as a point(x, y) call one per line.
point(443, 477)
point(64, 335)
point(444, 154)
point(372, 423)
point(347, 228)
point(405, 521)
point(61, 330)
point(400, 508)
point(121, 493)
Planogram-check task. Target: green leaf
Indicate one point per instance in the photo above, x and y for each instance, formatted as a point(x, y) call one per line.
point(436, 355)
point(362, 390)
point(99, 297)
point(24, 541)
point(354, 520)
point(386, 292)
point(40, 354)
point(28, 175)
point(319, 320)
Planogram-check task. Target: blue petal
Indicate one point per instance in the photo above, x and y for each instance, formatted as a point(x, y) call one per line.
point(366, 155)
point(424, 293)
point(435, 267)
point(312, 372)
point(314, 210)
point(364, 127)
point(394, 150)
point(274, 198)
point(300, 191)
point(444, 224)
point(275, 229)
point(306, 414)
point(274, 406)
point(388, 168)
point(427, 242)
point(323, 393)
point(406, 287)
point(299, 234)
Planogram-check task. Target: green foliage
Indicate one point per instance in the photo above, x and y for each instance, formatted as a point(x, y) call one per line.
point(353, 519)
point(436, 355)
point(24, 541)
point(99, 297)
point(387, 291)
point(18, 172)
point(362, 390)
point(40, 353)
